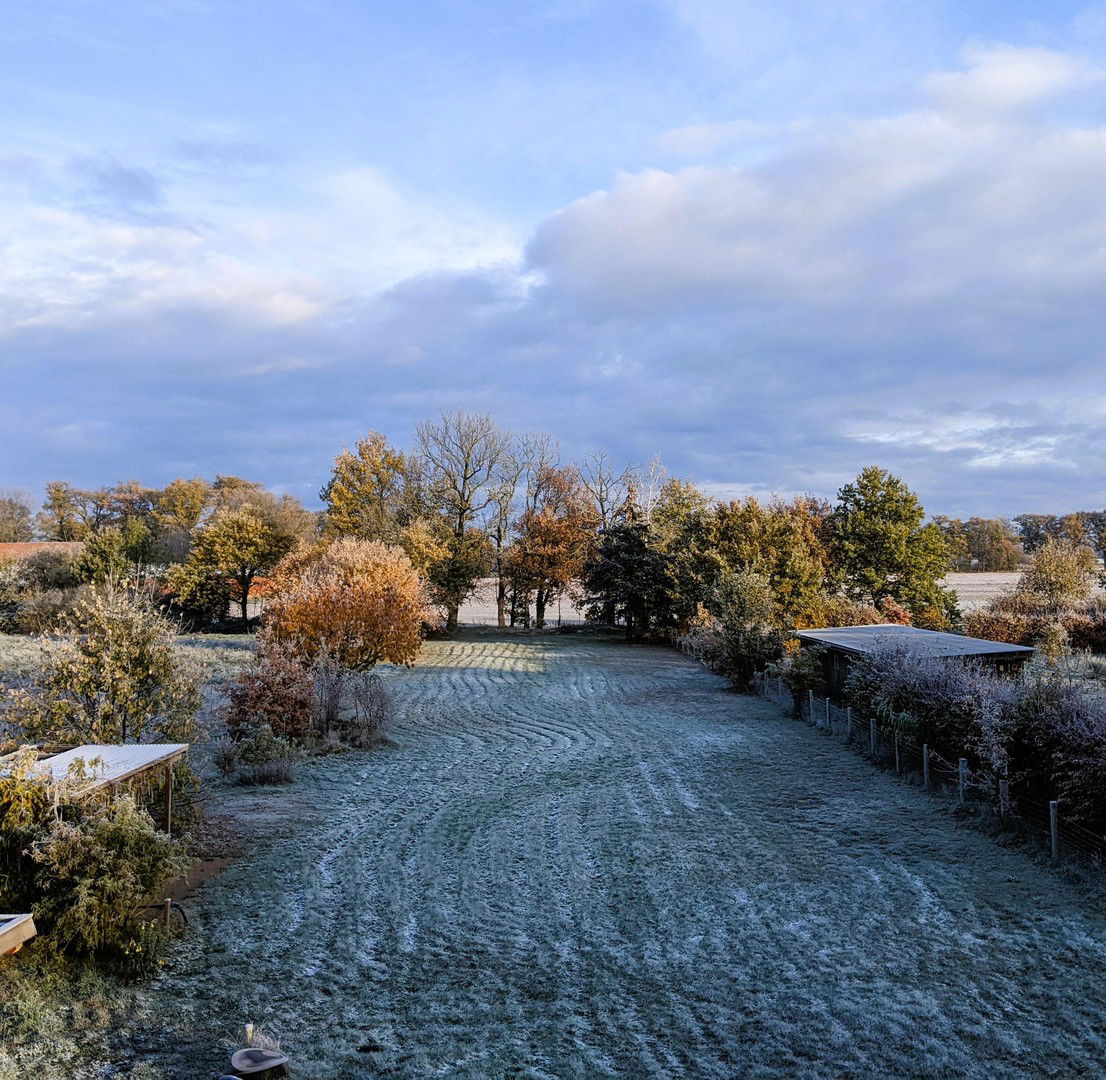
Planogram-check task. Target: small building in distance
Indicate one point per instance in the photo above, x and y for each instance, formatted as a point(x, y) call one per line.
point(844, 643)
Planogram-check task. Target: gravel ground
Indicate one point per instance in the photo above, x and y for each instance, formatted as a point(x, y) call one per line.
point(586, 859)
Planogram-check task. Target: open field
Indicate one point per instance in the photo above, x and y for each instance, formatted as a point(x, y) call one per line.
point(977, 589)
point(589, 859)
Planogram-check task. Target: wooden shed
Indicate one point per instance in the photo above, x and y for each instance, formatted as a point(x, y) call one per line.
point(844, 643)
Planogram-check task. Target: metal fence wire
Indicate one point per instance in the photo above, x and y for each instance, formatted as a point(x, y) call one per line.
point(1042, 824)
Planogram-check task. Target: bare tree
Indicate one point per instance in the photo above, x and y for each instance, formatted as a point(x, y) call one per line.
point(656, 475)
point(462, 455)
point(606, 487)
point(15, 517)
point(501, 516)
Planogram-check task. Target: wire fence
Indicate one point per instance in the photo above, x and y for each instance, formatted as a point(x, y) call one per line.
point(492, 619)
point(1040, 822)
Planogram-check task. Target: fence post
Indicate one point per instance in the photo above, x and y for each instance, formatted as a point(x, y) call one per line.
point(1003, 798)
point(872, 736)
point(849, 724)
point(829, 721)
point(925, 765)
point(898, 759)
point(810, 704)
point(963, 777)
point(1054, 828)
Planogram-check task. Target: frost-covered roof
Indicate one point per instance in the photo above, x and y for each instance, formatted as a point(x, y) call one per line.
point(107, 764)
point(14, 931)
point(862, 639)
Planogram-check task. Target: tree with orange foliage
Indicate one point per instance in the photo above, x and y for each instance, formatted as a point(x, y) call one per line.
point(351, 602)
point(555, 538)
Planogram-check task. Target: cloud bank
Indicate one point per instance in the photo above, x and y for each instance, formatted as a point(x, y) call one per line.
point(920, 288)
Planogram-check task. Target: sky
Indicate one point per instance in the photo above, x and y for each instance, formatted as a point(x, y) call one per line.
point(773, 242)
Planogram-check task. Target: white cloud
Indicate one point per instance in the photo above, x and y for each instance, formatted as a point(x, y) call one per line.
point(1003, 79)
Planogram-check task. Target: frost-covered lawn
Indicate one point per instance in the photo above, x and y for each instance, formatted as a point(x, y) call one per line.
point(221, 656)
point(586, 859)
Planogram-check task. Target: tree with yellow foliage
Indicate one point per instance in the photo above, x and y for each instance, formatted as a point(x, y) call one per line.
point(352, 602)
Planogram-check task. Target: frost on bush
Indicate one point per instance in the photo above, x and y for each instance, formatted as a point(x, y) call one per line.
point(256, 757)
point(370, 712)
point(278, 692)
point(97, 870)
point(115, 677)
point(1045, 730)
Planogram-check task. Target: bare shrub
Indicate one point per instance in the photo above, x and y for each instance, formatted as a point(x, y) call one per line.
point(371, 711)
point(330, 685)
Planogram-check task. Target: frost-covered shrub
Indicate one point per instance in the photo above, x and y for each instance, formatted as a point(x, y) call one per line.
point(116, 677)
point(942, 697)
point(277, 692)
point(1044, 730)
point(365, 723)
point(97, 870)
point(256, 756)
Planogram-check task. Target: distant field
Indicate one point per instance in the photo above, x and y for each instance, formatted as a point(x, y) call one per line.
point(976, 590)
point(480, 609)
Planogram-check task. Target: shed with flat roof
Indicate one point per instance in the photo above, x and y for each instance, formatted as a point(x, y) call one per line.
point(844, 643)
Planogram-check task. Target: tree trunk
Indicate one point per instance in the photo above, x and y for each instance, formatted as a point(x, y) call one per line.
point(451, 615)
point(501, 602)
point(539, 608)
point(245, 588)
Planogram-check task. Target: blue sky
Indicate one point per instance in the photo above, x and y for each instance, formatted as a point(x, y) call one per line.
point(774, 242)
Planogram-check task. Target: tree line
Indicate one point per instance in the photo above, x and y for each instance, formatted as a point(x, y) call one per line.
point(469, 500)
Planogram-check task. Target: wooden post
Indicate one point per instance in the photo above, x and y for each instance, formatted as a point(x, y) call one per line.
point(1003, 798)
point(167, 911)
point(169, 799)
point(898, 758)
point(849, 724)
point(872, 736)
point(963, 777)
point(810, 704)
point(829, 722)
point(925, 765)
point(1054, 828)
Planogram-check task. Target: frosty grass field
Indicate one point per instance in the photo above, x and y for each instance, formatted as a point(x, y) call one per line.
point(587, 859)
